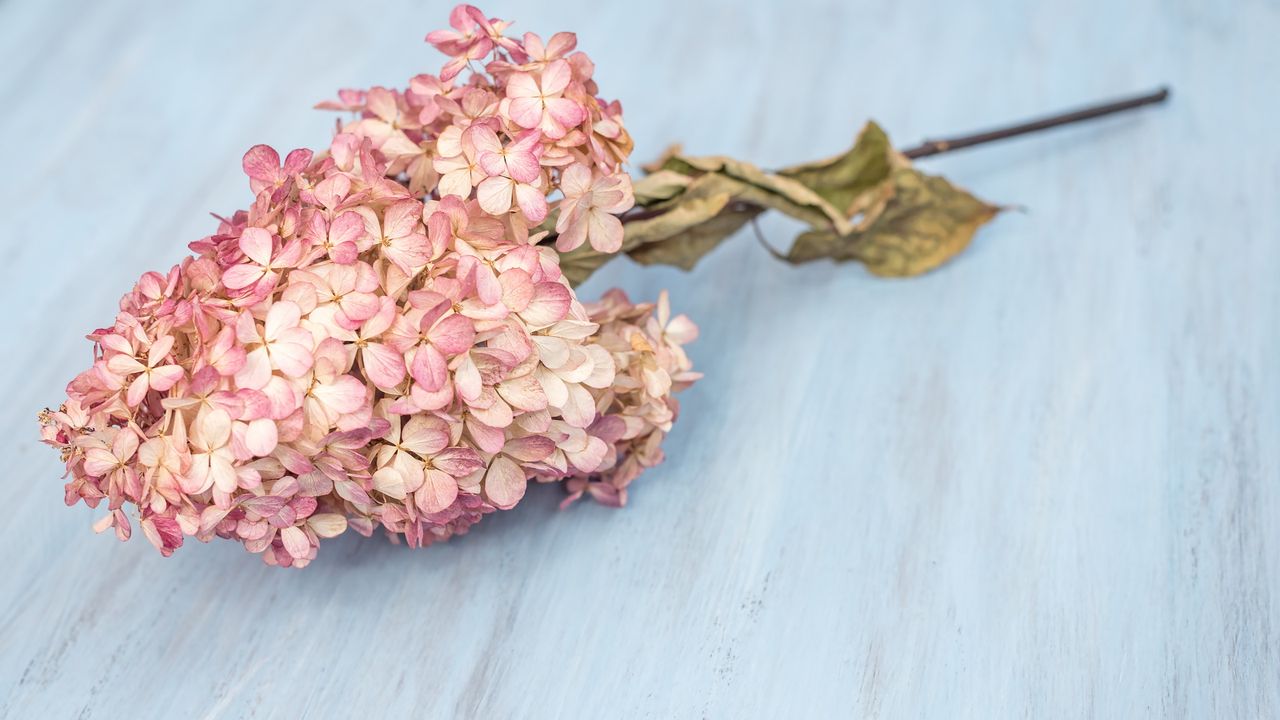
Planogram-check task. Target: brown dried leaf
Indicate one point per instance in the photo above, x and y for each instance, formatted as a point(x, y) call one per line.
point(925, 223)
point(845, 178)
point(867, 204)
point(758, 187)
point(659, 186)
point(688, 248)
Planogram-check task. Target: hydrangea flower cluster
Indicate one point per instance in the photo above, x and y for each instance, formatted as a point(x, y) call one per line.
point(635, 413)
point(380, 339)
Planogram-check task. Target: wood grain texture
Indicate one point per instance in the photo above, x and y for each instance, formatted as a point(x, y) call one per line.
point(1041, 482)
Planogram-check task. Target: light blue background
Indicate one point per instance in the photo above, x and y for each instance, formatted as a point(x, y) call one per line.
point(1038, 483)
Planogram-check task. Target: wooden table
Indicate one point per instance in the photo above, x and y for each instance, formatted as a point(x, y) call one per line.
point(1041, 482)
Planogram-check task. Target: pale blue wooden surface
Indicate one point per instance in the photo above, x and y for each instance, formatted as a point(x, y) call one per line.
point(1039, 483)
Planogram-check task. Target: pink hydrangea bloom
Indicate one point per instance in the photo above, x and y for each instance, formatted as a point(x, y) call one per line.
point(638, 408)
point(380, 340)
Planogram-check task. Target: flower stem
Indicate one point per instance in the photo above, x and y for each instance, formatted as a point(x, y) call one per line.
point(936, 147)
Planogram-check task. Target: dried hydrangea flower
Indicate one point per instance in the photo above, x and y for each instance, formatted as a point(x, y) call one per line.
point(379, 339)
point(637, 410)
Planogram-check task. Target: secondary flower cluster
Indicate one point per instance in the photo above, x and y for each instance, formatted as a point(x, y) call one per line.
point(380, 339)
point(636, 412)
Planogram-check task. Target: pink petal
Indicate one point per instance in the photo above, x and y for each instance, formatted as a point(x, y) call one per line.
point(575, 180)
point(604, 231)
point(344, 395)
point(242, 276)
point(125, 365)
point(358, 307)
point(467, 379)
point(526, 111)
point(580, 409)
point(532, 202)
point(384, 366)
point(423, 399)
point(522, 85)
point(282, 397)
point(295, 542)
point(523, 167)
point(524, 393)
point(497, 413)
point(550, 305)
point(297, 160)
point(517, 289)
point(99, 462)
point(574, 232)
point(256, 404)
point(292, 359)
point(458, 461)
point(488, 287)
point(529, 449)
point(457, 183)
point(137, 390)
point(256, 371)
point(402, 218)
point(224, 474)
point(453, 335)
point(429, 368)
point(347, 227)
point(163, 532)
point(344, 253)
point(327, 525)
point(437, 493)
point(591, 457)
point(565, 112)
point(381, 102)
point(165, 377)
point(504, 483)
point(389, 481)
point(555, 78)
point(261, 162)
point(488, 439)
point(409, 252)
point(494, 195)
point(332, 190)
point(214, 429)
point(255, 243)
point(260, 437)
point(282, 316)
point(681, 330)
point(492, 163)
point(424, 435)
point(159, 349)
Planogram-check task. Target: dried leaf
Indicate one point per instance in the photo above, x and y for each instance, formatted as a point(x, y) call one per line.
point(685, 251)
point(758, 187)
point(702, 201)
point(844, 179)
point(659, 186)
point(925, 223)
point(867, 204)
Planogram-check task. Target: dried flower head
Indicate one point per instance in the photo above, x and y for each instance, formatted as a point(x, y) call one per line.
point(379, 339)
point(637, 410)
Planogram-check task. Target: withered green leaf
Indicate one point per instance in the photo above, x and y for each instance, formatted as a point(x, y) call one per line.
point(924, 223)
point(867, 204)
point(905, 222)
point(845, 178)
point(659, 186)
point(697, 240)
point(752, 185)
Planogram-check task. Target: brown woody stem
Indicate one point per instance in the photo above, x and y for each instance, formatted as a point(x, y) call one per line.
point(935, 147)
